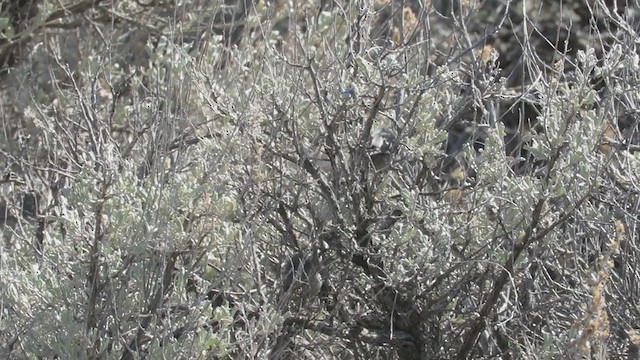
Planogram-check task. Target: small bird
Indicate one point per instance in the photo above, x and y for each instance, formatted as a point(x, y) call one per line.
point(379, 149)
point(382, 143)
point(301, 275)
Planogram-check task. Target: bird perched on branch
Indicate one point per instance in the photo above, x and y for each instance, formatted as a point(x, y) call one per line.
point(382, 143)
point(301, 275)
point(379, 148)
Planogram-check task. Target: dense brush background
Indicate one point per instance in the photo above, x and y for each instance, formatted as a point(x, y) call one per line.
point(162, 161)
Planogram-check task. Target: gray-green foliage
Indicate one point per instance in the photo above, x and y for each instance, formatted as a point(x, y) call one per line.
point(183, 167)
